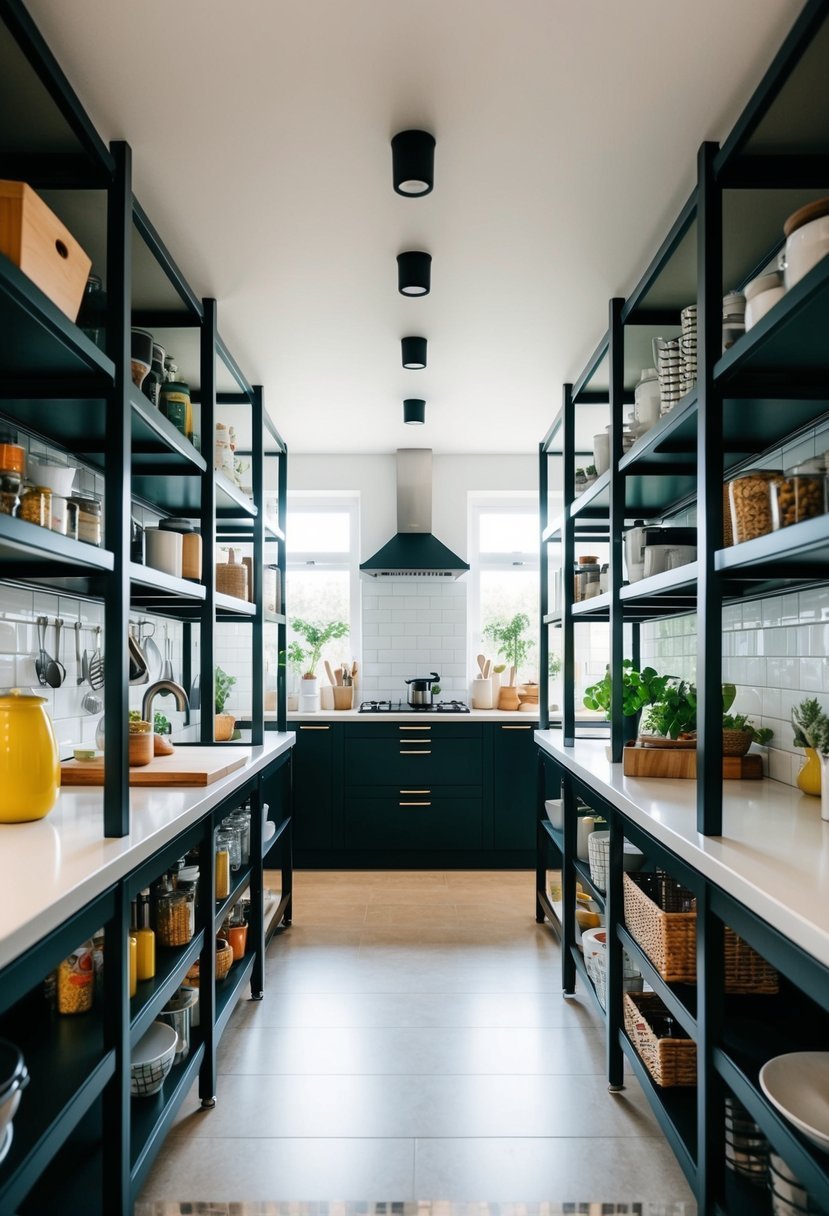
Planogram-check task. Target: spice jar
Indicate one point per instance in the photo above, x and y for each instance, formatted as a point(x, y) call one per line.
point(9, 489)
point(172, 919)
point(223, 840)
point(749, 497)
point(799, 494)
point(187, 884)
point(90, 518)
point(76, 981)
point(12, 456)
point(240, 820)
point(174, 401)
point(234, 843)
point(36, 506)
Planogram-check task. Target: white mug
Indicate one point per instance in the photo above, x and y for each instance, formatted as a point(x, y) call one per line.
point(164, 550)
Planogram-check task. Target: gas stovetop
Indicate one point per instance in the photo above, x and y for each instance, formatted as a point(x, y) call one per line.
point(403, 707)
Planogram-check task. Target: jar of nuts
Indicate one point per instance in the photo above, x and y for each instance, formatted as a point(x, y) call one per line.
point(749, 496)
point(172, 919)
point(799, 494)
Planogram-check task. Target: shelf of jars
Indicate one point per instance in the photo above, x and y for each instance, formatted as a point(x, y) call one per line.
point(171, 965)
point(151, 586)
point(798, 553)
point(31, 551)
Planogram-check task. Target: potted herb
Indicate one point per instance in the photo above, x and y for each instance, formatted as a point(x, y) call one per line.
point(590, 474)
point(819, 731)
point(316, 636)
point(514, 642)
point(739, 732)
point(806, 723)
point(640, 689)
point(580, 483)
point(223, 724)
point(294, 659)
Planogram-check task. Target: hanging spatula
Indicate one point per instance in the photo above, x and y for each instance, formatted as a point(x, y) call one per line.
point(96, 663)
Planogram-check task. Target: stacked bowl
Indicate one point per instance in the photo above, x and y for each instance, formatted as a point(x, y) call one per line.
point(688, 348)
point(746, 1147)
point(668, 368)
point(788, 1196)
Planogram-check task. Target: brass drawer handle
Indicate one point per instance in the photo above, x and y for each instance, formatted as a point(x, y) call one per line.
point(415, 791)
point(418, 752)
point(414, 728)
point(414, 804)
point(315, 728)
point(516, 728)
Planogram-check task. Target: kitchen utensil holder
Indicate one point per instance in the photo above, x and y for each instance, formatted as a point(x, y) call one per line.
point(670, 1061)
point(343, 696)
point(668, 937)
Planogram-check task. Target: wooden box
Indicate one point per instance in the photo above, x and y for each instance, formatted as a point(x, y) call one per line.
point(34, 239)
point(638, 761)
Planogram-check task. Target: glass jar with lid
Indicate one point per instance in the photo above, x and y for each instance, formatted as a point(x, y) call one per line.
point(799, 494)
point(174, 918)
point(224, 841)
point(90, 518)
point(749, 497)
point(36, 506)
point(188, 884)
point(234, 834)
point(241, 821)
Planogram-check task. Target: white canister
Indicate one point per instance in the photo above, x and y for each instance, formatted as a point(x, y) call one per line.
point(326, 696)
point(648, 401)
point(585, 826)
point(804, 249)
point(601, 453)
point(482, 693)
point(60, 509)
point(164, 550)
point(309, 701)
point(495, 680)
point(762, 293)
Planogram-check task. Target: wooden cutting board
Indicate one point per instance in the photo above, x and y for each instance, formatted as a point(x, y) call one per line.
point(187, 766)
point(669, 762)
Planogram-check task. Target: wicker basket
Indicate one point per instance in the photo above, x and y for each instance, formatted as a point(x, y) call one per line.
point(224, 957)
point(232, 577)
point(670, 1061)
point(657, 919)
point(735, 742)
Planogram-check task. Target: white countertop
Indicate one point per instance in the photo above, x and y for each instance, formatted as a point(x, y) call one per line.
point(518, 717)
point(773, 855)
point(53, 867)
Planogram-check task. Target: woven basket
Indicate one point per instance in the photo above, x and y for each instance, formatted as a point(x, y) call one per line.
point(670, 1061)
point(224, 957)
point(669, 937)
point(232, 577)
point(735, 742)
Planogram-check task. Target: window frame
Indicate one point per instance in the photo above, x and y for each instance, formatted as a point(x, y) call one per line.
point(506, 503)
point(311, 502)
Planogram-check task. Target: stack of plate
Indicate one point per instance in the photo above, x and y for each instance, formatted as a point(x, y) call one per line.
point(668, 369)
point(746, 1147)
point(788, 1196)
point(688, 348)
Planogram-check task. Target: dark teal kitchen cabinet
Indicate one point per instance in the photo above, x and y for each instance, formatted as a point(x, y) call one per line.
point(406, 754)
point(514, 809)
point(315, 761)
point(413, 820)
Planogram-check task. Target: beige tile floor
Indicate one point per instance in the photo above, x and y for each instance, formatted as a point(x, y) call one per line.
point(413, 1044)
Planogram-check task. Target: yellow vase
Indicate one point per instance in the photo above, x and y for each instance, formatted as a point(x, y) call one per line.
point(808, 779)
point(29, 763)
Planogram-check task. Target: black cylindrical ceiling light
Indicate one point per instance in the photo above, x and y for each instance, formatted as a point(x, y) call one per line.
point(413, 162)
point(414, 411)
point(414, 353)
point(414, 272)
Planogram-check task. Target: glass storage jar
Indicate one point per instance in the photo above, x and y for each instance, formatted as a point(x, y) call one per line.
point(188, 884)
point(223, 844)
point(173, 920)
point(234, 841)
point(76, 981)
point(90, 518)
point(36, 506)
point(749, 497)
point(241, 821)
point(799, 494)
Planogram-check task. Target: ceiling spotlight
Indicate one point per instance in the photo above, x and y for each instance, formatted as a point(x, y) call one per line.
point(414, 273)
point(413, 162)
point(414, 411)
point(414, 352)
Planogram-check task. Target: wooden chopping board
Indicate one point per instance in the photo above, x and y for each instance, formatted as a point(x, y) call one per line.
point(187, 766)
point(667, 762)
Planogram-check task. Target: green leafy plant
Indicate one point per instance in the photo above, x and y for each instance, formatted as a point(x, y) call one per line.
point(316, 636)
point(675, 710)
point(639, 689)
point(807, 718)
point(591, 471)
point(435, 689)
point(293, 657)
point(759, 734)
point(224, 685)
point(820, 733)
point(509, 637)
point(580, 473)
point(671, 702)
point(161, 724)
point(553, 665)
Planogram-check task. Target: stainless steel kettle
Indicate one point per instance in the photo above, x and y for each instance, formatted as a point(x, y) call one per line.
point(420, 689)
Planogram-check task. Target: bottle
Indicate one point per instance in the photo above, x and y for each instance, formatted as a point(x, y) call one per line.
point(145, 939)
point(133, 949)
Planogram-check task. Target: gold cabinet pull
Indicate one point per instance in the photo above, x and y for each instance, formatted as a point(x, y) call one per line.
point(516, 728)
point(414, 728)
point(414, 804)
point(415, 791)
point(314, 727)
point(420, 751)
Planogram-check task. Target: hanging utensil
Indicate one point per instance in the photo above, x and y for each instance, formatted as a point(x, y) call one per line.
point(137, 663)
point(195, 693)
point(152, 654)
point(59, 669)
point(79, 676)
point(92, 703)
point(96, 663)
point(43, 659)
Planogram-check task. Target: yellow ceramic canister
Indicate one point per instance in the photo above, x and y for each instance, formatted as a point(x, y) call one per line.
point(29, 763)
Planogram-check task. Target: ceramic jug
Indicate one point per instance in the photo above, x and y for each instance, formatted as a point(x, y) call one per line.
point(29, 763)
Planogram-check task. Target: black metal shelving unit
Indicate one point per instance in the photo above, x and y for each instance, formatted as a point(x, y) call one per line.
point(768, 389)
point(80, 1143)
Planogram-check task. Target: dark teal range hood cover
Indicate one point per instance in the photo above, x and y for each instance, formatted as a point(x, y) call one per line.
point(414, 555)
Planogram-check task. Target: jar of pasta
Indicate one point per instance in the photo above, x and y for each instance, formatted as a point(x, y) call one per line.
point(173, 919)
point(36, 506)
point(76, 981)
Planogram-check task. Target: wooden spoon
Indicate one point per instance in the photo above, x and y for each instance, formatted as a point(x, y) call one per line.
point(487, 668)
point(329, 673)
point(481, 661)
point(512, 675)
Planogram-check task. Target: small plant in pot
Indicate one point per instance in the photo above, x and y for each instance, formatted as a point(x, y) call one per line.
point(806, 724)
point(223, 724)
point(513, 640)
point(294, 659)
point(316, 635)
point(739, 732)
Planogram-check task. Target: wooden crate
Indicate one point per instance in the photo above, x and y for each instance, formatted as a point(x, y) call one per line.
point(32, 237)
point(640, 761)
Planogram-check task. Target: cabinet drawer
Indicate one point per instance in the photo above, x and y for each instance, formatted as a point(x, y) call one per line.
point(437, 819)
point(413, 759)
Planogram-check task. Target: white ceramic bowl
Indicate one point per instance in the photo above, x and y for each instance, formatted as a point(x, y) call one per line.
point(555, 812)
point(804, 249)
point(797, 1084)
point(58, 477)
point(152, 1059)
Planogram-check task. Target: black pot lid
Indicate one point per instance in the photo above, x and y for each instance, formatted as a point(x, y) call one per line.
point(13, 1071)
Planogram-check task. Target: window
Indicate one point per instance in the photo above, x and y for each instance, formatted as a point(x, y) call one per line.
point(322, 568)
point(503, 581)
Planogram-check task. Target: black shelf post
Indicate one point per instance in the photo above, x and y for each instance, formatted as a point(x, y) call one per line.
point(282, 627)
point(258, 624)
point(118, 501)
point(616, 359)
point(568, 557)
point(543, 589)
point(710, 498)
point(207, 633)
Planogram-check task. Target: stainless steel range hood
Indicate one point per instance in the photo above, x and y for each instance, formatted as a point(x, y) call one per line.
point(414, 552)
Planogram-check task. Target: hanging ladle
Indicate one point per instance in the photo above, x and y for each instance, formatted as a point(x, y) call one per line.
point(48, 671)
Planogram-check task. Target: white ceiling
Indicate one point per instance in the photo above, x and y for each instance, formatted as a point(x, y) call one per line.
point(566, 143)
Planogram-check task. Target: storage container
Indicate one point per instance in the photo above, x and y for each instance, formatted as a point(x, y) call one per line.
point(799, 494)
point(232, 577)
point(749, 497)
point(670, 1058)
point(33, 237)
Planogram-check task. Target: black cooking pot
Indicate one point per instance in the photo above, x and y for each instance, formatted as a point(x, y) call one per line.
point(420, 689)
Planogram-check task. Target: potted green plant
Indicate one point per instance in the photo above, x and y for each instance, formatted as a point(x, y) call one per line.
point(514, 642)
point(739, 732)
point(590, 474)
point(819, 731)
point(580, 483)
point(641, 689)
point(293, 657)
point(223, 724)
point(806, 723)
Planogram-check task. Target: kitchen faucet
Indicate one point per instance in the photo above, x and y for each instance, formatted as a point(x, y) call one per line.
point(182, 702)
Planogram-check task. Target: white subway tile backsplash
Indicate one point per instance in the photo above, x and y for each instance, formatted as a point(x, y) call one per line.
point(771, 702)
point(811, 677)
